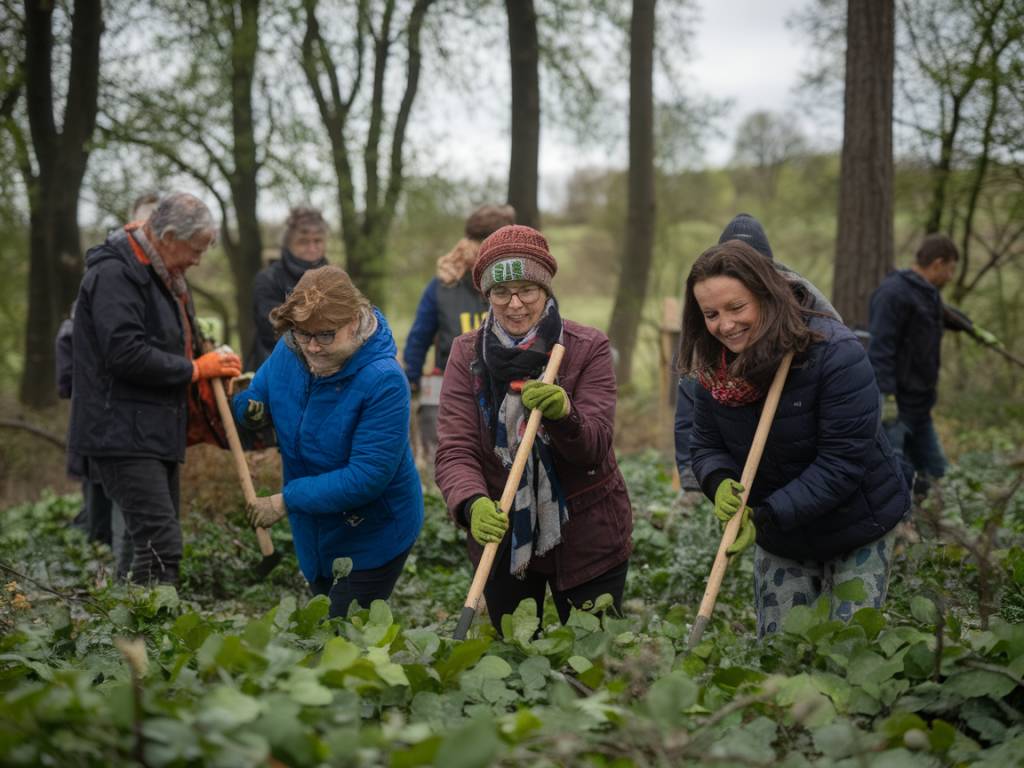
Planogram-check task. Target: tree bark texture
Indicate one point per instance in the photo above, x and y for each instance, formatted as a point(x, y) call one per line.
point(365, 232)
point(638, 248)
point(246, 257)
point(524, 49)
point(864, 240)
point(61, 156)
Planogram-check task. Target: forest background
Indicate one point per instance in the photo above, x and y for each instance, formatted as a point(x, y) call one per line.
point(257, 105)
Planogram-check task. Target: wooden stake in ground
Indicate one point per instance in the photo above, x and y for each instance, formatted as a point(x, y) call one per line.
point(764, 425)
point(270, 557)
point(483, 568)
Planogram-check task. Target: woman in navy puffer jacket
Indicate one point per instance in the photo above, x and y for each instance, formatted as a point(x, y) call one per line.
point(339, 402)
point(829, 490)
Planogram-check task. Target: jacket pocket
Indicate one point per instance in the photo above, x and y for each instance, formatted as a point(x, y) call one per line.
point(156, 428)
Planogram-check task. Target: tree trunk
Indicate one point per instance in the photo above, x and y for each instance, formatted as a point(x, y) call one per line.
point(864, 247)
point(365, 233)
point(638, 247)
point(244, 192)
point(523, 174)
point(61, 157)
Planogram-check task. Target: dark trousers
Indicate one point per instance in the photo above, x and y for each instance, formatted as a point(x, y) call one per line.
point(94, 518)
point(504, 591)
point(363, 586)
point(147, 490)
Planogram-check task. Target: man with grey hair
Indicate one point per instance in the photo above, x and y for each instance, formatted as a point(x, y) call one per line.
point(136, 354)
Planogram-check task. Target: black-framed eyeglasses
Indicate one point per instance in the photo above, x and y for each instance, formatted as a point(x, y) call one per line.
point(323, 338)
point(502, 295)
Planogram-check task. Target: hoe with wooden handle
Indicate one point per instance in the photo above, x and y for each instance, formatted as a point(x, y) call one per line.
point(764, 425)
point(483, 568)
point(270, 557)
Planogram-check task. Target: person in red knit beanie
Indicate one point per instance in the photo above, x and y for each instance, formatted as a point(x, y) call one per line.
point(571, 522)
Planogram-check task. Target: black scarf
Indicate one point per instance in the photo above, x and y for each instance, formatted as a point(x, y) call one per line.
point(296, 267)
point(498, 366)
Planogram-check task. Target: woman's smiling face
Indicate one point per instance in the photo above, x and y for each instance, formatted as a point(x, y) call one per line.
point(731, 311)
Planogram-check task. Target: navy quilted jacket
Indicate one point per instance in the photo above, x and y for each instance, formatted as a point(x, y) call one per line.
point(828, 473)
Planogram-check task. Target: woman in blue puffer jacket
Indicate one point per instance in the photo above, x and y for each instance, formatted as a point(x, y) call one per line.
point(829, 490)
point(339, 401)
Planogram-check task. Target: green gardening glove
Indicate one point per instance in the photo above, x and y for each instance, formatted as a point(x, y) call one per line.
point(727, 500)
point(549, 399)
point(746, 535)
point(986, 337)
point(487, 522)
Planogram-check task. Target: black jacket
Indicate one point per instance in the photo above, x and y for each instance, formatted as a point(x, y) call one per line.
point(907, 319)
point(828, 473)
point(270, 288)
point(131, 373)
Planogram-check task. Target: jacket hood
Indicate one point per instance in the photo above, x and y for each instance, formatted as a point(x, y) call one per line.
point(914, 279)
point(379, 346)
point(116, 247)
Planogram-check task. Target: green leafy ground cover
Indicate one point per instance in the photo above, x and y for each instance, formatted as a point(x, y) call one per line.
point(234, 672)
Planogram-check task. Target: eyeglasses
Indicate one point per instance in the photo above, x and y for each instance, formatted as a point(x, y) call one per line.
point(500, 295)
point(323, 338)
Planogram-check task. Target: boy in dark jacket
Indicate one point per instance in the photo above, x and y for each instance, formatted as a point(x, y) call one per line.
point(907, 319)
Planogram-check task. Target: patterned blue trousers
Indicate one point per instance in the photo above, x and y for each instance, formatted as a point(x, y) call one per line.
point(780, 583)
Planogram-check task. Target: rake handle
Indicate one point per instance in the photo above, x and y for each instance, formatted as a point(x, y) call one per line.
point(241, 465)
point(483, 568)
point(764, 425)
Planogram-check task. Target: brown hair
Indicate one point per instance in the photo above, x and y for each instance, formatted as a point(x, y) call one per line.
point(302, 217)
point(781, 327)
point(326, 294)
point(936, 248)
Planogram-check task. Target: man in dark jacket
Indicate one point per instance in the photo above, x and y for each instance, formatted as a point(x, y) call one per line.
point(303, 247)
point(907, 318)
point(100, 519)
point(135, 356)
point(747, 229)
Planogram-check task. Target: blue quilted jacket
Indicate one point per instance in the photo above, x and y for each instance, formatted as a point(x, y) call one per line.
point(350, 483)
point(828, 473)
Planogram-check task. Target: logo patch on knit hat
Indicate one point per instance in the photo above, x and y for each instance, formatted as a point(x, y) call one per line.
point(508, 270)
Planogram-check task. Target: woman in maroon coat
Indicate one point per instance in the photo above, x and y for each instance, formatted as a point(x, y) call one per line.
point(571, 521)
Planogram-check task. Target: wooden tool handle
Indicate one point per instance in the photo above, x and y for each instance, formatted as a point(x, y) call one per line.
point(483, 568)
point(732, 528)
point(241, 465)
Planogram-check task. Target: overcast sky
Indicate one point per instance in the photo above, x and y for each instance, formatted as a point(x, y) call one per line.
point(742, 51)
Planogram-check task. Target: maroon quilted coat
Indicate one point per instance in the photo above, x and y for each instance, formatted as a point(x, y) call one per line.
point(597, 536)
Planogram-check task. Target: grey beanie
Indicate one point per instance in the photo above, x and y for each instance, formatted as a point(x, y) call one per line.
point(748, 229)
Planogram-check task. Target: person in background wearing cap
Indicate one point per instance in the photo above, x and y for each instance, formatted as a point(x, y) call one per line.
point(747, 229)
point(450, 306)
point(303, 247)
point(571, 521)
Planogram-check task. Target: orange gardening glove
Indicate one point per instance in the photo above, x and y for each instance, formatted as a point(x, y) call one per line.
point(216, 365)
